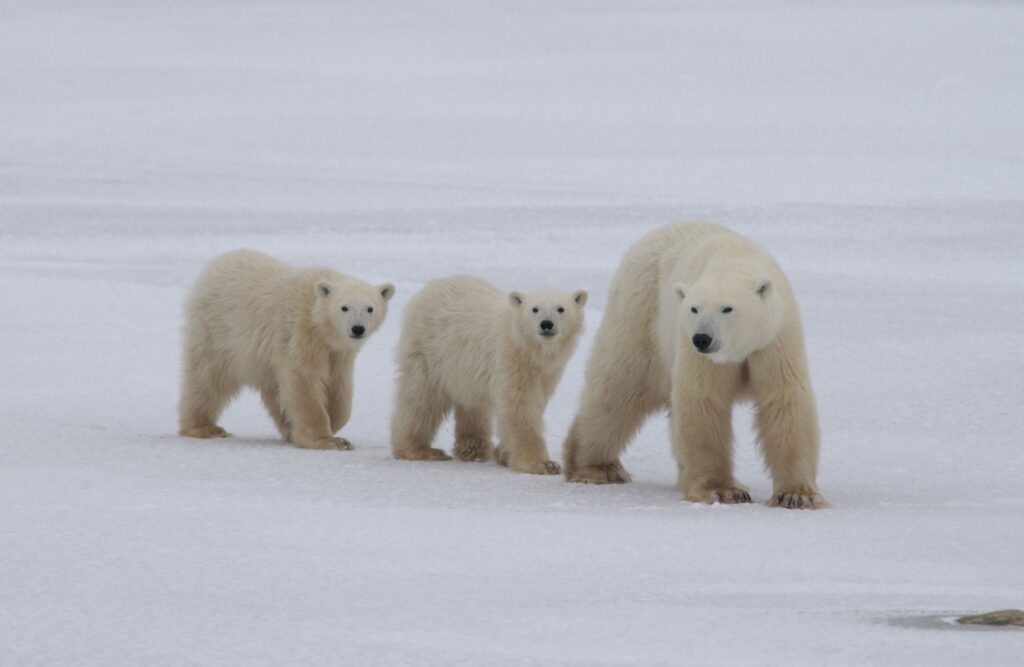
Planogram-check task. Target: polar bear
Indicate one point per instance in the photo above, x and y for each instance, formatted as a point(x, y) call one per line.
point(468, 345)
point(290, 333)
point(699, 318)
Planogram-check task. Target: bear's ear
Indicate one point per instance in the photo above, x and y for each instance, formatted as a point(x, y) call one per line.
point(580, 297)
point(680, 289)
point(764, 288)
point(387, 290)
point(515, 298)
point(323, 288)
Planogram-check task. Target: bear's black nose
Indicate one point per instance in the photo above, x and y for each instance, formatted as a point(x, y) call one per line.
point(547, 325)
point(702, 342)
point(358, 330)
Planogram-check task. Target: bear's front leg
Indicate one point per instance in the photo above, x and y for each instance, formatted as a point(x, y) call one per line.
point(339, 395)
point(702, 442)
point(521, 435)
point(787, 426)
point(304, 397)
point(788, 432)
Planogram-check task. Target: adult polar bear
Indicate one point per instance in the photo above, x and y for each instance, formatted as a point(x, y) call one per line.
point(699, 318)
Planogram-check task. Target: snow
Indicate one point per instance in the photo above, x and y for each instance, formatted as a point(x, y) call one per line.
point(877, 149)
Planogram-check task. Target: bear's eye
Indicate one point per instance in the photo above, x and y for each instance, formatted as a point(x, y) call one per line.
point(693, 309)
point(727, 309)
point(370, 309)
point(344, 309)
point(561, 310)
point(536, 310)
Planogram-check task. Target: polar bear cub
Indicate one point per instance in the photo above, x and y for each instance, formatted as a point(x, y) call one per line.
point(699, 318)
point(292, 334)
point(467, 345)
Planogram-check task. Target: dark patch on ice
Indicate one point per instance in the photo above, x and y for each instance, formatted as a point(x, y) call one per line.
point(945, 622)
point(1002, 617)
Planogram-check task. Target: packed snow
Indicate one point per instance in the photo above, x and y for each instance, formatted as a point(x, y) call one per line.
point(876, 149)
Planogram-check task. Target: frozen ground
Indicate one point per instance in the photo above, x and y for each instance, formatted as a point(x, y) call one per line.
point(877, 150)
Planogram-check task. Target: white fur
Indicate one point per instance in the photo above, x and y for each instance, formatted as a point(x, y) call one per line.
point(677, 282)
point(289, 333)
point(469, 346)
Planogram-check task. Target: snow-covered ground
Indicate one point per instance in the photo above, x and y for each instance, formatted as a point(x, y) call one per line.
point(877, 149)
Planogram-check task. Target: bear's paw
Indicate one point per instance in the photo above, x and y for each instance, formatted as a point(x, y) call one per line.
point(533, 467)
point(209, 431)
point(338, 444)
point(472, 449)
point(607, 473)
point(424, 454)
point(728, 495)
point(799, 500)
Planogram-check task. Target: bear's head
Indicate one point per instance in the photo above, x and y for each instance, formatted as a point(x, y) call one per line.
point(354, 309)
point(548, 315)
point(728, 317)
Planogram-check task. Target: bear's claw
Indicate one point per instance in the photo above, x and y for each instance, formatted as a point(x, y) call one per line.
point(472, 449)
point(552, 468)
point(798, 500)
point(735, 495)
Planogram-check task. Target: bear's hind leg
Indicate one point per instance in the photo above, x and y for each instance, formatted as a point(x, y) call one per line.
point(420, 406)
point(608, 419)
point(272, 400)
point(206, 389)
point(472, 434)
point(626, 381)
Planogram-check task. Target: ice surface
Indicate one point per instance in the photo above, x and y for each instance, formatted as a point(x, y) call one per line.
point(877, 149)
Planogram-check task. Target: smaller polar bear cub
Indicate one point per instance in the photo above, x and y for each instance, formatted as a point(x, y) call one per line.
point(467, 345)
point(292, 334)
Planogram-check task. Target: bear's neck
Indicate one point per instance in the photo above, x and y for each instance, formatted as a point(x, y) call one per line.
point(322, 330)
point(538, 354)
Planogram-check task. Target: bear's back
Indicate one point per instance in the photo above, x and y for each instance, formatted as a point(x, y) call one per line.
point(453, 324)
point(458, 301)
